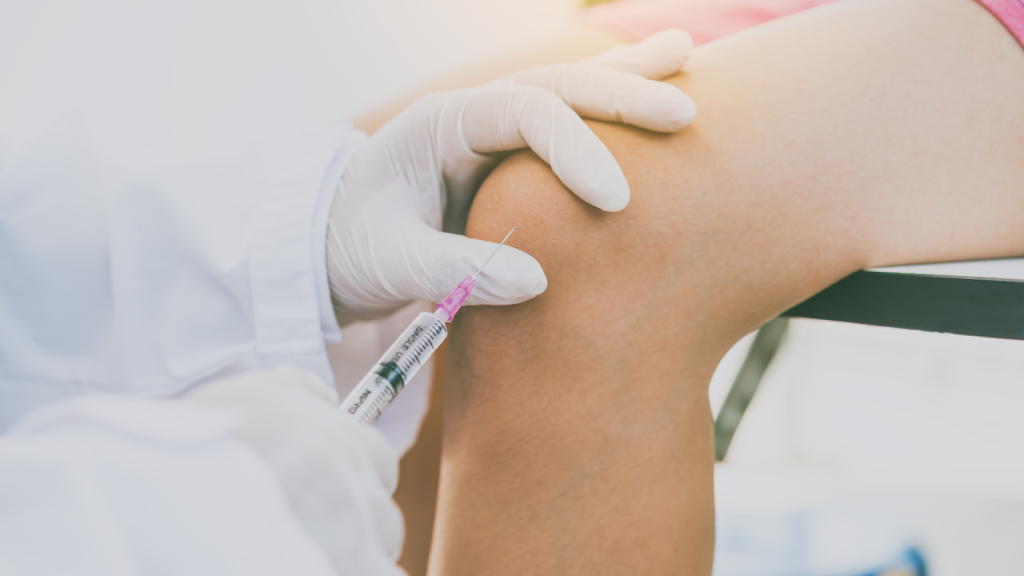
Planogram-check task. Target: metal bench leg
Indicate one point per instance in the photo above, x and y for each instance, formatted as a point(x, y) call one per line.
point(766, 343)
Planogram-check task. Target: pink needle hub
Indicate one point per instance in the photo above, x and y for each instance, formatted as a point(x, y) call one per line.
point(445, 309)
point(454, 300)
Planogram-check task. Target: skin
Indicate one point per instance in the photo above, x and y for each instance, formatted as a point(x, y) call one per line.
point(577, 432)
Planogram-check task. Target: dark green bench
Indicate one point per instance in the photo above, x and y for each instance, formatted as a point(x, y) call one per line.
point(980, 298)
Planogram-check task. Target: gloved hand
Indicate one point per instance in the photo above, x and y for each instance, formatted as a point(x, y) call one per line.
point(338, 476)
point(419, 173)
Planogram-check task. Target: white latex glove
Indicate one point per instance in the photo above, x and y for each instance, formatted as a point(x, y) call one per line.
point(338, 476)
point(418, 174)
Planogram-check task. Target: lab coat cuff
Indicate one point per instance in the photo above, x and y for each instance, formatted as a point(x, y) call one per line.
point(351, 142)
point(292, 310)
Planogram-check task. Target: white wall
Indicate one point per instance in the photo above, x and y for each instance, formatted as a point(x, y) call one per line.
point(192, 77)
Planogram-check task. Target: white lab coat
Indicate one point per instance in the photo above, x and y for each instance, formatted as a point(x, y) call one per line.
point(122, 276)
point(116, 486)
point(158, 94)
point(147, 246)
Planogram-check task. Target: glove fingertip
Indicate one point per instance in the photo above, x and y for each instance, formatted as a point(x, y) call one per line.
point(658, 56)
point(512, 277)
point(602, 185)
point(612, 195)
point(673, 41)
point(685, 112)
point(613, 203)
point(537, 288)
point(613, 192)
point(666, 109)
point(528, 280)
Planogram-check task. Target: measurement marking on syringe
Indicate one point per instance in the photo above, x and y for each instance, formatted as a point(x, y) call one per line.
point(417, 352)
point(375, 408)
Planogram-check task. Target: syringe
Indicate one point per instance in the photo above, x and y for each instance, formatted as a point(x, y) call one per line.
point(409, 353)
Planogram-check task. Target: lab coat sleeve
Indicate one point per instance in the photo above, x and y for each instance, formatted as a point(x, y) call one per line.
point(104, 485)
point(119, 273)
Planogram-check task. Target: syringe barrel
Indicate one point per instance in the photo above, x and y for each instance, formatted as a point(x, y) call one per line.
point(395, 369)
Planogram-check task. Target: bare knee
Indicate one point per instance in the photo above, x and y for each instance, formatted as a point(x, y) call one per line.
point(625, 268)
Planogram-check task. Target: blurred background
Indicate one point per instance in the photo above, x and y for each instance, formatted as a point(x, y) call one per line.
point(344, 58)
point(925, 427)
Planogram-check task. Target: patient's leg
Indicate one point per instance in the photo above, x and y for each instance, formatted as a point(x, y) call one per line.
point(578, 435)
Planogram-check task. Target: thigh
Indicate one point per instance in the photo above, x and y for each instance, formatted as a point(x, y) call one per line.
point(865, 133)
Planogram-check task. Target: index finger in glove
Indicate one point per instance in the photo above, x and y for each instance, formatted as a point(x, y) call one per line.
point(658, 56)
point(495, 119)
point(607, 94)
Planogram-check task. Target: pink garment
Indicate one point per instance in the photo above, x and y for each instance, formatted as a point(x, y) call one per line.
point(705, 20)
point(1010, 13)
